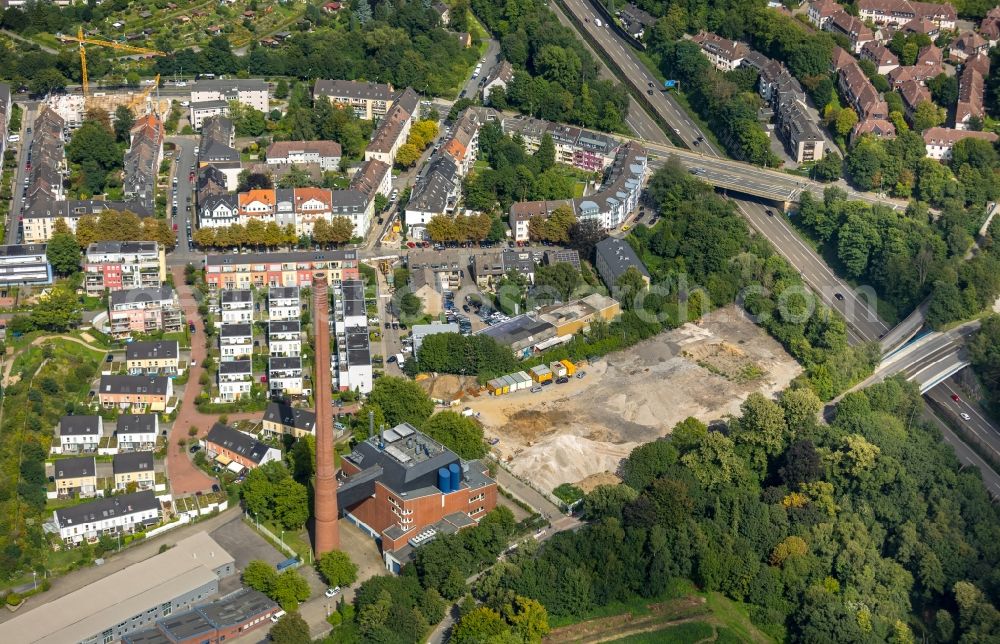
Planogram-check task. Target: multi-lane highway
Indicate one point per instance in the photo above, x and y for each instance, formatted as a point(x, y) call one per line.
point(863, 322)
point(865, 325)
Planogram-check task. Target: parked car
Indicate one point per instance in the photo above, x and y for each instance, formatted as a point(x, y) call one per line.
point(391, 359)
point(965, 416)
point(194, 448)
point(580, 374)
point(536, 389)
point(562, 380)
point(330, 592)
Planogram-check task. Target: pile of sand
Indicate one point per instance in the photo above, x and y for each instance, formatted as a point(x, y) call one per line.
point(565, 458)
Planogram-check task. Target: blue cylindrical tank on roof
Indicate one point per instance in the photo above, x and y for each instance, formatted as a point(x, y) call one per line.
point(444, 480)
point(456, 477)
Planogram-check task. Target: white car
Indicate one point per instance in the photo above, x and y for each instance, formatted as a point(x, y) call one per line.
point(330, 592)
point(965, 416)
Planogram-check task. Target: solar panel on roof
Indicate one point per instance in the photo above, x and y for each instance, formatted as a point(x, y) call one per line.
point(403, 430)
point(390, 436)
point(398, 454)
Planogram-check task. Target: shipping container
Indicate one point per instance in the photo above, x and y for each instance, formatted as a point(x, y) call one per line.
point(494, 386)
point(541, 374)
point(511, 383)
point(570, 367)
point(523, 380)
point(558, 369)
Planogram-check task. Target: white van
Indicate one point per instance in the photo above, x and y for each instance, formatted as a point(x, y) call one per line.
point(14, 138)
point(277, 616)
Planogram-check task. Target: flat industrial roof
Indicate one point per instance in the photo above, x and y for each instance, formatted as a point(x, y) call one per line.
point(120, 596)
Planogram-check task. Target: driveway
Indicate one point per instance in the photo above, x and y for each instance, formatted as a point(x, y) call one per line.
point(363, 551)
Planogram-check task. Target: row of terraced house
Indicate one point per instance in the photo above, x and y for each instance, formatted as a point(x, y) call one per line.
point(45, 200)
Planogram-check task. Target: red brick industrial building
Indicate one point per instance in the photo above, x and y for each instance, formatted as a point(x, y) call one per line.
point(403, 488)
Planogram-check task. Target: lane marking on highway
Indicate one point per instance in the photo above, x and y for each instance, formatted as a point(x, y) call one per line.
point(973, 409)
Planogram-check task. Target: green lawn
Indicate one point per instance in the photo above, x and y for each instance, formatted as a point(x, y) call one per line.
point(688, 632)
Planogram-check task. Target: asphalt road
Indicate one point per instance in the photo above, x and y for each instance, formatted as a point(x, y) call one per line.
point(491, 58)
point(28, 115)
point(864, 323)
point(184, 165)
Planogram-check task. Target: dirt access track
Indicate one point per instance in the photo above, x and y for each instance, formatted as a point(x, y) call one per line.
point(570, 432)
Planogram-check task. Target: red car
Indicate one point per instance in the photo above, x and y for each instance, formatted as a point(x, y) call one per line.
point(956, 398)
point(175, 228)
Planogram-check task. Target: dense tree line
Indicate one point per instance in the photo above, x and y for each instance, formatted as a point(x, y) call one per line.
point(308, 120)
point(514, 175)
point(258, 234)
point(402, 44)
point(402, 609)
point(727, 101)
point(700, 255)
point(555, 77)
point(477, 355)
point(900, 254)
point(906, 256)
point(271, 494)
point(48, 384)
point(866, 530)
point(984, 353)
point(901, 168)
point(121, 225)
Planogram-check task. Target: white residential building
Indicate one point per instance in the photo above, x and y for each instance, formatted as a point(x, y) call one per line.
point(353, 364)
point(940, 140)
point(79, 434)
point(235, 342)
point(284, 338)
point(325, 153)
point(284, 376)
point(236, 306)
point(137, 432)
point(235, 378)
point(211, 94)
point(113, 515)
point(283, 303)
point(120, 266)
point(499, 78)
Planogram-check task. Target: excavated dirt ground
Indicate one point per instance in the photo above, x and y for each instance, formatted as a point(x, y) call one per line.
point(567, 433)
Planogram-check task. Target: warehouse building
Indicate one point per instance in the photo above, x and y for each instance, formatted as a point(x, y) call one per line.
point(127, 601)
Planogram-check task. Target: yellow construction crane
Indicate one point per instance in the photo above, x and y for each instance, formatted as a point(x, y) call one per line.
point(143, 96)
point(104, 43)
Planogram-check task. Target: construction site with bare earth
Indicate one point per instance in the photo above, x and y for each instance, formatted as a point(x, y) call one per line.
point(578, 432)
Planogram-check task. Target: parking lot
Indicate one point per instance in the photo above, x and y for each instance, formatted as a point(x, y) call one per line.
point(245, 545)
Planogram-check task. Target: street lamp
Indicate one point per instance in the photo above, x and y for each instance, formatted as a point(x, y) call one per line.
point(282, 538)
point(34, 582)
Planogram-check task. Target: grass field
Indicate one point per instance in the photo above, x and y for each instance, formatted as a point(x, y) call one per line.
point(681, 614)
point(688, 632)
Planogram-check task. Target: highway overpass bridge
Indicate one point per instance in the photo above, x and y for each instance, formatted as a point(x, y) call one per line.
point(747, 179)
point(929, 360)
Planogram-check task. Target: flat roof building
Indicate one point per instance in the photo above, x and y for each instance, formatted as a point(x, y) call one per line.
point(129, 600)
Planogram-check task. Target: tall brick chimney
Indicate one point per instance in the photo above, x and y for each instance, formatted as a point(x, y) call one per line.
point(325, 497)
